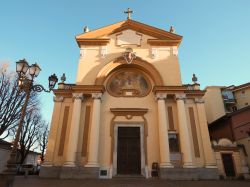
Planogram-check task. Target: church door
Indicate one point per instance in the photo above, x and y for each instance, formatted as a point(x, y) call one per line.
point(228, 165)
point(128, 151)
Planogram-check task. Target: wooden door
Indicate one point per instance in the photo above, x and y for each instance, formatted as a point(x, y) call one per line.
point(228, 165)
point(128, 151)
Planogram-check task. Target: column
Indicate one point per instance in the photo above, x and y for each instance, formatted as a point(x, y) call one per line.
point(163, 132)
point(74, 130)
point(53, 131)
point(185, 141)
point(94, 132)
point(210, 161)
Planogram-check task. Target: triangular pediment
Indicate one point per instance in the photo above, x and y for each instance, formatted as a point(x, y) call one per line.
point(104, 32)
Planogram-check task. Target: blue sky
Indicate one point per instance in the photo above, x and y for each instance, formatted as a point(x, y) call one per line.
point(215, 44)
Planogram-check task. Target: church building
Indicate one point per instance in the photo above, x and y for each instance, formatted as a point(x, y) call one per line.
point(128, 113)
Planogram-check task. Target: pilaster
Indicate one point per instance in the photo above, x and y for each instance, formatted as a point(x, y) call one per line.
point(74, 130)
point(163, 131)
point(185, 141)
point(94, 132)
point(53, 131)
point(210, 161)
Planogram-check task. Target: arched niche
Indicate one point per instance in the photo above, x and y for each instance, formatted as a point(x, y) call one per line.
point(137, 63)
point(128, 82)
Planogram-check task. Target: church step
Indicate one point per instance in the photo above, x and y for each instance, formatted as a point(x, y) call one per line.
point(128, 176)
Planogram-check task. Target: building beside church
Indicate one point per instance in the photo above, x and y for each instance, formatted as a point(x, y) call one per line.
point(129, 109)
point(228, 114)
point(222, 100)
point(5, 149)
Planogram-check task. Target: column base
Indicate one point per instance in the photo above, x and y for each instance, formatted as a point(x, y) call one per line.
point(47, 164)
point(69, 164)
point(166, 165)
point(92, 164)
point(210, 166)
point(189, 165)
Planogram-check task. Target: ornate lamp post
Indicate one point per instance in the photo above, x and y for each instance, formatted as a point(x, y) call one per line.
point(26, 75)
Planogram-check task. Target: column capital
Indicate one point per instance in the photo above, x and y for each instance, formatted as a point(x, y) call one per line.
point(161, 96)
point(58, 99)
point(77, 96)
point(96, 95)
point(199, 100)
point(180, 96)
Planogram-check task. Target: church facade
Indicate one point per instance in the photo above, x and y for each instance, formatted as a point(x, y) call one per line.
point(128, 112)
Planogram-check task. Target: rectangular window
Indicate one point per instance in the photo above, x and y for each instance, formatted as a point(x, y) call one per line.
point(174, 149)
point(170, 118)
point(243, 95)
point(173, 143)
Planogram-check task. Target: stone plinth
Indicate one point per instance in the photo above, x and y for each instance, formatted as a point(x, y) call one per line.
point(69, 172)
point(189, 173)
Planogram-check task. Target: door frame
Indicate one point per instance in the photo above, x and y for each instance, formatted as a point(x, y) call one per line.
point(234, 166)
point(141, 126)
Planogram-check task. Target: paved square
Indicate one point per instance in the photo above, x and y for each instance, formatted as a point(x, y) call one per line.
point(38, 182)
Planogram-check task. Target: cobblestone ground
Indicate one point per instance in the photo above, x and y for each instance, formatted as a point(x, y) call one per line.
point(37, 182)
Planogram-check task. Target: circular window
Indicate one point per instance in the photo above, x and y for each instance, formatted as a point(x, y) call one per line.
point(128, 83)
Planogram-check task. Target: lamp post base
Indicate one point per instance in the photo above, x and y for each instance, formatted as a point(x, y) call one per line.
point(6, 180)
point(11, 169)
point(11, 166)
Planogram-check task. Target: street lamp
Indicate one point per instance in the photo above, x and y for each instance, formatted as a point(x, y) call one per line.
point(26, 75)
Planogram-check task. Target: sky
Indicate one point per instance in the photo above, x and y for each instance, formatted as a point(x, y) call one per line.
point(215, 34)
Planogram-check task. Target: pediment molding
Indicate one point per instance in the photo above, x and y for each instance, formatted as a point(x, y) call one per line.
point(128, 25)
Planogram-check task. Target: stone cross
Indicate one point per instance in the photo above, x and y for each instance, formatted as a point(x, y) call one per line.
point(129, 12)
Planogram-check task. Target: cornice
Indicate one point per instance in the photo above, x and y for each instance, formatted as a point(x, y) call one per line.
point(129, 111)
point(195, 93)
point(166, 89)
point(220, 148)
point(88, 89)
point(93, 41)
point(158, 42)
point(172, 90)
point(69, 89)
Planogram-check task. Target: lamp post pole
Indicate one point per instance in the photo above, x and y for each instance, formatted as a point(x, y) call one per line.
point(11, 163)
point(26, 75)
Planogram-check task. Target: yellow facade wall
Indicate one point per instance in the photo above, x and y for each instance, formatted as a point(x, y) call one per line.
point(91, 63)
point(214, 104)
point(246, 143)
point(59, 160)
point(242, 97)
point(166, 62)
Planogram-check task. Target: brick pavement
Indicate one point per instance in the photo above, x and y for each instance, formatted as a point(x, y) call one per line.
point(38, 182)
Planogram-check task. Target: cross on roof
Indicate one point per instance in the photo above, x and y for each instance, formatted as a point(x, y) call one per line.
point(129, 12)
